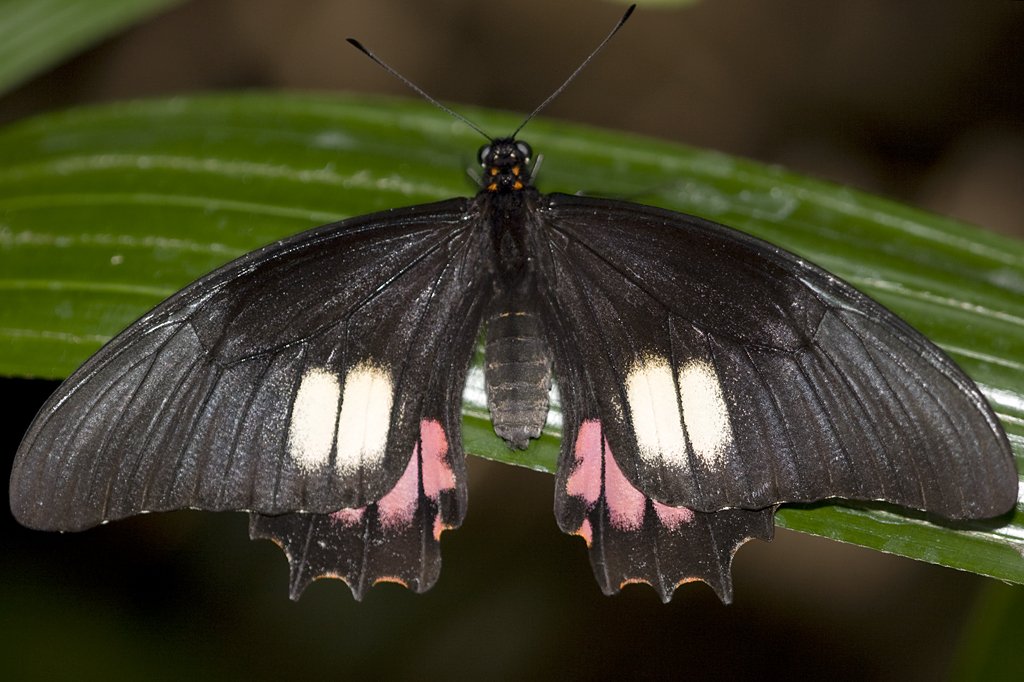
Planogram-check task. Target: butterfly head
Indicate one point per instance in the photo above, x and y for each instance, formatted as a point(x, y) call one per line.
point(506, 165)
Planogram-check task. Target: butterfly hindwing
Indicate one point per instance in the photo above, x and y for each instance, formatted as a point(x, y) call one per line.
point(395, 539)
point(632, 538)
point(292, 379)
point(730, 373)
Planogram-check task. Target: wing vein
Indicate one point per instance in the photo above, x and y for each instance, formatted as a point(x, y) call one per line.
point(791, 452)
point(113, 431)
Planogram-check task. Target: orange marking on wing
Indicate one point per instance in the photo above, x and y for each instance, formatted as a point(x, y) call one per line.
point(391, 579)
point(586, 532)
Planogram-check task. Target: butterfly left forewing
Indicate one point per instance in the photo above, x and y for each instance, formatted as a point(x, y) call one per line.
point(730, 373)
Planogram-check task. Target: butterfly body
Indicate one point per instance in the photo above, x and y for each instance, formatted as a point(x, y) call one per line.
point(517, 361)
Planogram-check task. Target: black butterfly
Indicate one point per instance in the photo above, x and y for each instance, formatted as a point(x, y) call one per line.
point(706, 377)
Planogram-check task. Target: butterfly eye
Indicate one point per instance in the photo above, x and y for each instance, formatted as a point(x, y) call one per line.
point(484, 154)
point(524, 150)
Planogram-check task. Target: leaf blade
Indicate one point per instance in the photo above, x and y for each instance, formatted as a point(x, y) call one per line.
point(37, 34)
point(104, 211)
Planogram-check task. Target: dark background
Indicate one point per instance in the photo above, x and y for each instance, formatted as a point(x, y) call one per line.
point(921, 100)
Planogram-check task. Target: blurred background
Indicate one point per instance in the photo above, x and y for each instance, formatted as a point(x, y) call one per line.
point(921, 101)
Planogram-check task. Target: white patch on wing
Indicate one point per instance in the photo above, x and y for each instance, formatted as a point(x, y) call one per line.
point(654, 409)
point(365, 418)
point(314, 415)
point(704, 411)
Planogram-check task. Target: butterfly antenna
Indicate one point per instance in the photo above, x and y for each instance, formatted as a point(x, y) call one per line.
point(415, 88)
point(579, 68)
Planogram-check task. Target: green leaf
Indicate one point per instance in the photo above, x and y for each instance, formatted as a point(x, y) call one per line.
point(37, 34)
point(105, 211)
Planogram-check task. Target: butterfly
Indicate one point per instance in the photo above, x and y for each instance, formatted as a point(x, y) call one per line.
point(705, 377)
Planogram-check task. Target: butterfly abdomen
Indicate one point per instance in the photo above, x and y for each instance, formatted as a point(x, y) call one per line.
point(517, 371)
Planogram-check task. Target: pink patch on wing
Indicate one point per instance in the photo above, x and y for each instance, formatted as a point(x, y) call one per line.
point(673, 517)
point(437, 474)
point(349, 517)
point(626, 504)
point(585, 479)
point(398, 507)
